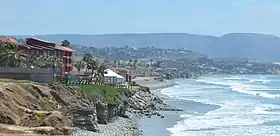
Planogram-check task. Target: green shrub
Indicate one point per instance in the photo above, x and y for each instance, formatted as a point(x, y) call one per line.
point(46, 100)
point(109, 92)
point(54, 85)
point(126, 91)
point(41, 116)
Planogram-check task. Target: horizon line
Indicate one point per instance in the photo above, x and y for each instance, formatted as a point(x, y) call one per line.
point(138, 33)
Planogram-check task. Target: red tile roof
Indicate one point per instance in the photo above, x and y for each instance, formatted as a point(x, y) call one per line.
point(42, 47)
point(8, 40)
point(31, 47)
point(41, 40)
point(59, 47)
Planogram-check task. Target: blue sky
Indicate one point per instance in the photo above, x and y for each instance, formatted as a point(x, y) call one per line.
point(210, 17)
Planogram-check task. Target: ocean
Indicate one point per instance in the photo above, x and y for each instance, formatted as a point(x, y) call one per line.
point(226, 105)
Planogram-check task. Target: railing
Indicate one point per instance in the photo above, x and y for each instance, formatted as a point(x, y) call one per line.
point(28, 70)
point(45, 75)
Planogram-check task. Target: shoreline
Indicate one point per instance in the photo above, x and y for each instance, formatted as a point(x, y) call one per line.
point(153, 84)
point(133, 126)
point(119, 127)
point(154, 125)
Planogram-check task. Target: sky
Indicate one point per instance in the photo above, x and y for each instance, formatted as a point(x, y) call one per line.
point(207, 17)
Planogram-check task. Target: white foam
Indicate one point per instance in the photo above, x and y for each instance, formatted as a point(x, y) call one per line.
point(244, 90)
point(259, 110)
point(233, 78)
point(188, 91)
point(219, 82)
point(259, 80)
point(186, 116)
point(232, 116)
point(238, 115)
point(250, 79)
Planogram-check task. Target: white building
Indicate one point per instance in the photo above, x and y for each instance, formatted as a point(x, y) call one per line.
point(112, 78)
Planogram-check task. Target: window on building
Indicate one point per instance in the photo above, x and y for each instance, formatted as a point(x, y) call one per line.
point(32, 52)
point(45, 53)
point(35, 52)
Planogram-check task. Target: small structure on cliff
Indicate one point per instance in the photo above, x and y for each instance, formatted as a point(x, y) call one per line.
point(112, 78)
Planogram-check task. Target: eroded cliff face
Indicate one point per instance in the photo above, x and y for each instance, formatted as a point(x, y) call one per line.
point(103, 111)
point(54, 109)
point(35, 108)
point(27, 107)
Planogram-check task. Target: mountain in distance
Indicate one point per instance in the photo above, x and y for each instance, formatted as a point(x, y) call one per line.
point(233, 45)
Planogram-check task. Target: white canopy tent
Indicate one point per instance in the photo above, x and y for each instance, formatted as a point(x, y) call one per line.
point(113, 78)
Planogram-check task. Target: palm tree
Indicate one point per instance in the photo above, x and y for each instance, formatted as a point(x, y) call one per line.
point(101, 73)
point(65, 43)
point(130, 62)
point(119, 64)
point(92, 64)
point(115, 62)
point(50, 62)
point(87, 58)
point(79, 65)
point(151, 63)
point(39, 61)
point(56, 61)
point(46, 62)
point(135, 63)
point(11, 55)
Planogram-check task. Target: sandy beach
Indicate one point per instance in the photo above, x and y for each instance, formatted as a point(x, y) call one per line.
point(156, 126)
point(152, 83)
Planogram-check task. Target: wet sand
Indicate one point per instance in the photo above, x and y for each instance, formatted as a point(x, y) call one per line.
point(153, 84)
point(156, 126)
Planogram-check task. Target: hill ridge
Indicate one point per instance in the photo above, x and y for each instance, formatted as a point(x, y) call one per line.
point(255, 45)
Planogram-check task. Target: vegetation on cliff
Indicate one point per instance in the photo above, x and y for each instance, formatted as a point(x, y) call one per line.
point(110, 93)
point(32, 107)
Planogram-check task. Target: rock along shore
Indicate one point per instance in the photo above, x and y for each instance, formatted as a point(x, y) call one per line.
point(142, 103)
point(32, 108)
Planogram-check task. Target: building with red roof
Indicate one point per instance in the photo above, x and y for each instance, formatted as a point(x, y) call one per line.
point(49, 48)
point(37, 47)
point(8, 40)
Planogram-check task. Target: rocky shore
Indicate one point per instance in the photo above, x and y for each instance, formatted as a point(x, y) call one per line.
point(142, 103)
point(32, 108)
point(119, 127)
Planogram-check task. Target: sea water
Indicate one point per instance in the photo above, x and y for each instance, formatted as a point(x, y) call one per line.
point(227, 106)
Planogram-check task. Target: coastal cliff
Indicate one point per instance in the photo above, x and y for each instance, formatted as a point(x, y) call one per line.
point(33, 108)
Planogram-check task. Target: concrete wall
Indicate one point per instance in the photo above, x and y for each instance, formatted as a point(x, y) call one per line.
point(44, 75)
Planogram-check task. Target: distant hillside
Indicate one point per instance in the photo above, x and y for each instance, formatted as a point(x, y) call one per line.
point(234, 45)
